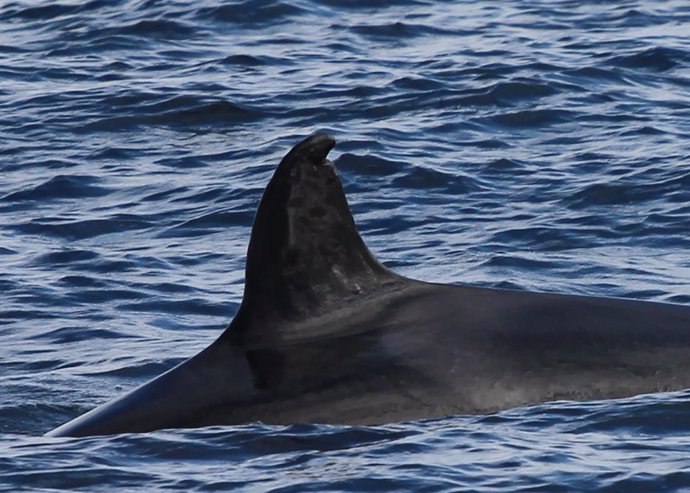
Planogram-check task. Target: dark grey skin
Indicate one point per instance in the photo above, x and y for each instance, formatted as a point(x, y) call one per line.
point(327, 334)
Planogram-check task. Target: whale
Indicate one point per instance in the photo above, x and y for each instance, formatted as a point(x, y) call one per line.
point(325, 333)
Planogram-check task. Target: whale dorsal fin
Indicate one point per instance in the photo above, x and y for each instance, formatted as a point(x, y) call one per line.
point(305, 255)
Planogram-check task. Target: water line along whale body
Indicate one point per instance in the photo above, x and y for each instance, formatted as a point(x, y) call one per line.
point(326, 334)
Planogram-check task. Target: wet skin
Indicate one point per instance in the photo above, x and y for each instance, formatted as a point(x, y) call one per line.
point(327, 334)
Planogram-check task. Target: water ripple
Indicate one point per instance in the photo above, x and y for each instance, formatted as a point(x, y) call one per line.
point(539, 146)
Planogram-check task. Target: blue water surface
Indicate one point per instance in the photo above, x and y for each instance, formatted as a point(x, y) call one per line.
point(530, 145)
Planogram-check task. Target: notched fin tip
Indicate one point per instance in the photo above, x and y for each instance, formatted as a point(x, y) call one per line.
point(316, 147)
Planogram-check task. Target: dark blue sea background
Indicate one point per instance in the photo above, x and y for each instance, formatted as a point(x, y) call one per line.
point(532, 145)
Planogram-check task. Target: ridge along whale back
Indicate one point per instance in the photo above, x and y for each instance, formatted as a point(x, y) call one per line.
point(305, 255)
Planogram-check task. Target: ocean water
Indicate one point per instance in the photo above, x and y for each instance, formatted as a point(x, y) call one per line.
point(531, 145)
